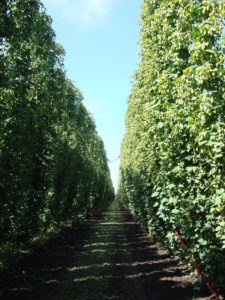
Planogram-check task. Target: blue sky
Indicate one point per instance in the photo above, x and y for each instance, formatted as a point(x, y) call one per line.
point(100, 39)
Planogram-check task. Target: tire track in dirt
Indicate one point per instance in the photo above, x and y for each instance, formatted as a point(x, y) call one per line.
point(107, 257)
point(161, 276)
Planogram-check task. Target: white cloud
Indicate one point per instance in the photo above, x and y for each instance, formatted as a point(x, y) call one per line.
point(100, 107)
point(85, 12)
point(114, 171)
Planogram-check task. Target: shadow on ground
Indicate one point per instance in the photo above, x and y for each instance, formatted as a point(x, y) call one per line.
point(108, 257)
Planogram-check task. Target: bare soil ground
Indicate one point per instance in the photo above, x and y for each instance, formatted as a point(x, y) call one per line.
point(107, 257)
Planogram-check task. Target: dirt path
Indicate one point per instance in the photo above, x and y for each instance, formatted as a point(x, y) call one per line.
point(108, 257)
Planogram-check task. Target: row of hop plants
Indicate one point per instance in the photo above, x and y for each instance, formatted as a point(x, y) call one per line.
point(172, 170)
point(53, 165)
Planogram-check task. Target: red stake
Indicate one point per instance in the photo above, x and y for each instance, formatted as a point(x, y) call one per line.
point(196, 265)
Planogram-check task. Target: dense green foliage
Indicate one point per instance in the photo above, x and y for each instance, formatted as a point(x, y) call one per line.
point(173, 153)
point(53, 164)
